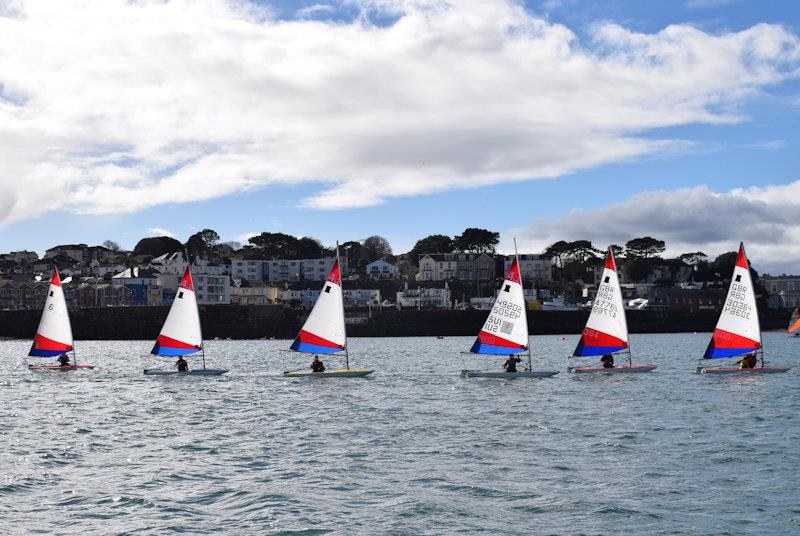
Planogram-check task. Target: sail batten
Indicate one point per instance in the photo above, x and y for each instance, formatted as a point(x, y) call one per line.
point(505, 331)
point(737, 331)
point(606, 330)
point(181, 333)
point(54, 334)
point(324, 330)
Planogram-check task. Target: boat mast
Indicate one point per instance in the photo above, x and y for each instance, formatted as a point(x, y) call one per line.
point(202, 342)
point(758, 319)
point(344, 325)
point(69, 321)
point(529, 365)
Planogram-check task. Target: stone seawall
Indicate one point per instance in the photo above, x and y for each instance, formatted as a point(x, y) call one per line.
point(255, 322)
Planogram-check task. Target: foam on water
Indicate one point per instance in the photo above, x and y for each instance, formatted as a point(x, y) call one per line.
point(416, 449)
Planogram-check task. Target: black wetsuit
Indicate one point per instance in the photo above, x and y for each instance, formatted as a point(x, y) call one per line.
point(607, 361)
point(63, 360)
point(511, 364)
point(182, 365)
point(317, 366)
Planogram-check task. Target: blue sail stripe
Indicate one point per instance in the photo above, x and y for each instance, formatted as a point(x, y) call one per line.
point(308, 348)
point(481, 348)
point(587, 351)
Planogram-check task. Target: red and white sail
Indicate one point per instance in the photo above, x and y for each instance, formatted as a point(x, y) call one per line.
point(54, 335)
point(181, 333)
point(606, 330)
point(506, 329)
point(324, 331)
point(738, 330)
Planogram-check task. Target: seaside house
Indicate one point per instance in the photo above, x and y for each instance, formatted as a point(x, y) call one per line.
point(460, 266)
point(381, 269)
point(783, 291)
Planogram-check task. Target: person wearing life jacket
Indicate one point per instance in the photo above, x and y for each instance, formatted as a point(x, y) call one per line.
point(63, 360)
point(511, 363)
point(607, 361)
point(182, 365)
point(317, 365)
point(748, 361)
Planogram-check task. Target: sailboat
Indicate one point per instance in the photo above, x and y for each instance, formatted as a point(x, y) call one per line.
point(738, 331)
point(54, 334)
point(606, 331)
point(794, 324)
point(505, 331)
point(324, 330)
point(181, 334)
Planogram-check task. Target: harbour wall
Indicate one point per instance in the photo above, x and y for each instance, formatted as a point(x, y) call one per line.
point(255, 322)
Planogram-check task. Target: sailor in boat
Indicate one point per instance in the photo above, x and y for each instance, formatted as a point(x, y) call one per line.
point(511, 363)
point(607, 361)
point(182, 365)
point(63, 360)
point(316, 365)
point(748, 361)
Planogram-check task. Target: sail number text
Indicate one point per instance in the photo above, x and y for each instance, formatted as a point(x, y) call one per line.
point(735, 304)
point(604, 302)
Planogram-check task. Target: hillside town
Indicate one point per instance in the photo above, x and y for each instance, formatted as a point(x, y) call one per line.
point(440, 272)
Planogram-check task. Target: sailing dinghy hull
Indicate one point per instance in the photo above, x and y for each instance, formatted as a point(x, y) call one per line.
point(737, 370)
point(625, 369)
point(197, 372)
point(345, 373)
point(540, 373)
point(59, 368)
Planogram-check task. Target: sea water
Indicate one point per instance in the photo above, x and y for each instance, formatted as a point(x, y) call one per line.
point(415, 449)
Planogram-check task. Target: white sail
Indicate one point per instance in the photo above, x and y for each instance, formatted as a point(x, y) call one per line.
point(54, 334)
point(324, 330)
point(738, 330)
point(181, 333)
point(506, 329)
point(606, 330)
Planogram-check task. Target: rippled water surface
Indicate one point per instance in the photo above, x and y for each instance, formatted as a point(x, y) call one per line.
point(413, 450)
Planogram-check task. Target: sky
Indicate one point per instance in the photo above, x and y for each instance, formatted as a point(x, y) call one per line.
point(542, 120)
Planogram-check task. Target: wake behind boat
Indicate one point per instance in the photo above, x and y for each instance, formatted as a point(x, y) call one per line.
point(505, 332)
point(54, 334)
point(324, 331)
point(606, 331)
point(738, 331)
point(182, 335)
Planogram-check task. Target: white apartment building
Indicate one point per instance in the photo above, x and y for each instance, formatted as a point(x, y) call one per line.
point(460, 266)
point(381, 269)
point(251, 270)
point(424, 298)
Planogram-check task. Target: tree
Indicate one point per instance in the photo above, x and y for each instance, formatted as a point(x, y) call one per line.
point(275, 245)
point(693, 258)
point(200, 244)
point(435, 243)
point(476, 240)
point(645, 247)
point(557, 251)
point(582, 251)
point(110, 244)
point(377, 247)
point(637, 269)
point(309, 248)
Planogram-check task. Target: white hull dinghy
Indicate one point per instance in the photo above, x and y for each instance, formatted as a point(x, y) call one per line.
point(738, 330)
point(622, 369)
point(606, 331)
point(54, 334)
point(505, 332)
point(181, 334)
point(324, 331)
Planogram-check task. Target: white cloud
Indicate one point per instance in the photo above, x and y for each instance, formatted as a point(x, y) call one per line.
point(315, 10)
point(158, 231)
point(109, 106)
point(766, 219)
